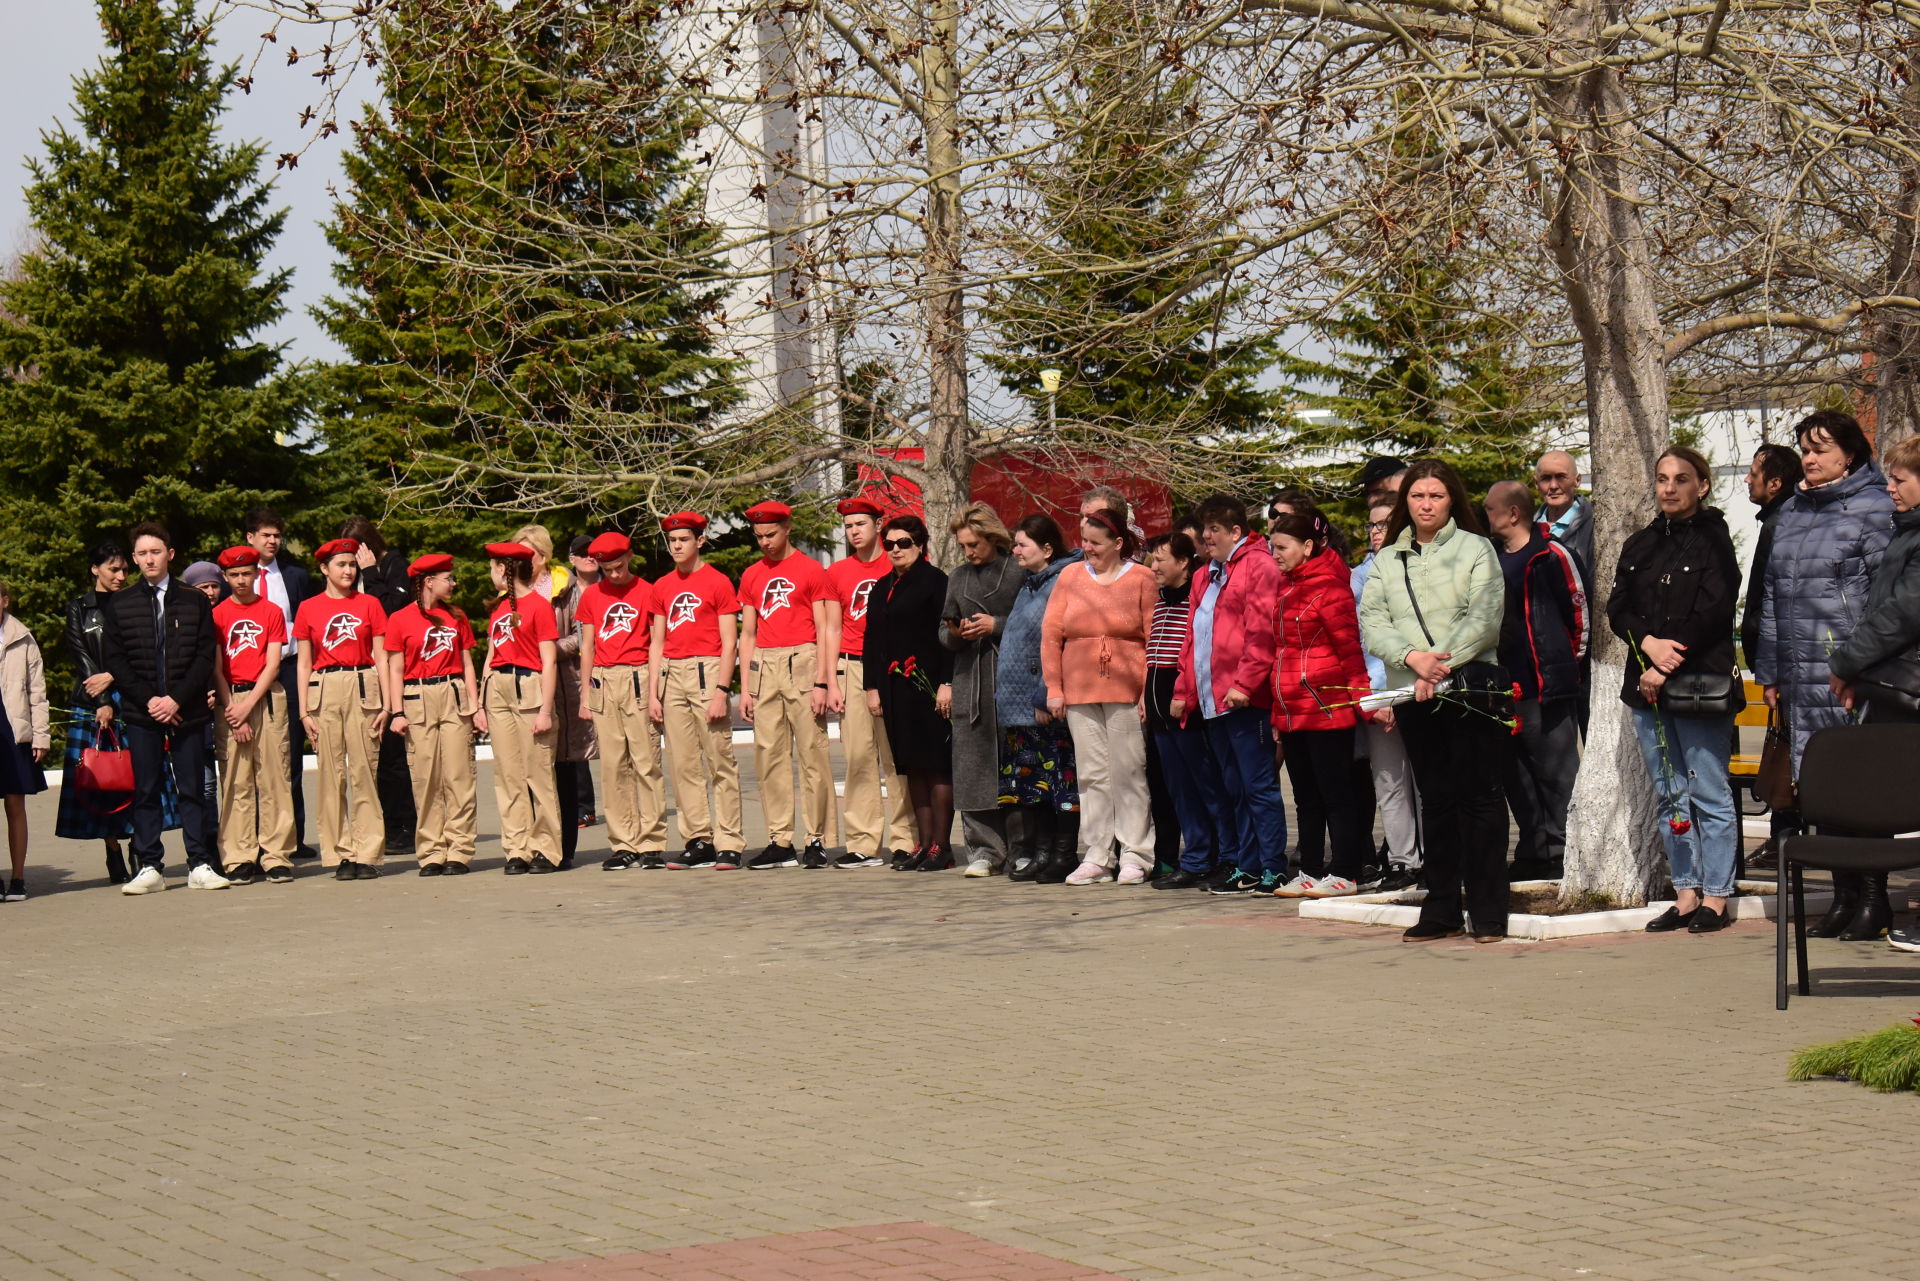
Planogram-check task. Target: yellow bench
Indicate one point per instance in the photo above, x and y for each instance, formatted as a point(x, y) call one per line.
point(1744, 768)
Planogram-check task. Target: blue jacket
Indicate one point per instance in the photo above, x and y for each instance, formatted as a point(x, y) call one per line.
point(1020, 689)
point(1826, 544)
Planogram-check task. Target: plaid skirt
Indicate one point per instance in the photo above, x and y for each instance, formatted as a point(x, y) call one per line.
point(1036, 766)
point(77, 820)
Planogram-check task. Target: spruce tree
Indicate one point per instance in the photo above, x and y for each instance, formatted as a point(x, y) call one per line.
point(136, 384)
point(495, 158)
point(1121, 208)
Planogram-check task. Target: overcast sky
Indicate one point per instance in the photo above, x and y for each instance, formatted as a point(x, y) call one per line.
point(51, 41)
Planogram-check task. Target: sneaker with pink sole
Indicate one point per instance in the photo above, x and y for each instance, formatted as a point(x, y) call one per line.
point(1132, 875)
point(1090, 874)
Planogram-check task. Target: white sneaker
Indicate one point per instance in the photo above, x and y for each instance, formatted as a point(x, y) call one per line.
point(205, 878)
point(979, 867)
point(1301, 886)
point(1133, 874)
point(1332, 887)
point(1090, 874)
point(147, 881)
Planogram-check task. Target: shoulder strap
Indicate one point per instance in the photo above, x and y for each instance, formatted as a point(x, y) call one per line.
point(1419, 617)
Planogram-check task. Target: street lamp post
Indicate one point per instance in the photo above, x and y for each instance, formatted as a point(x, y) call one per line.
point(1050, 382)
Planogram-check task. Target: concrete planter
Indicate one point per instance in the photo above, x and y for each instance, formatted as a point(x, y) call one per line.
point(1755, 902)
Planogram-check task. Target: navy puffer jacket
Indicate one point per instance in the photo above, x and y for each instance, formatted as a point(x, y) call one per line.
point(1826, 544)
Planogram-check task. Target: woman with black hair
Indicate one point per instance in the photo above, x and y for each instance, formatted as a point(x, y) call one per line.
point(429, 645)
point(516, 711)
point(1039, 788)
point(904, 668)
point(95, 703)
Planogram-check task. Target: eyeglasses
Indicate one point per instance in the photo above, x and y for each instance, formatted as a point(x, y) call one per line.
point(898, 544)
point(1377, 524)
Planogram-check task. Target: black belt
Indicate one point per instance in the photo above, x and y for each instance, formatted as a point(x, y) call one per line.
point(241, 687)
point(516, 670)
point(430, 680)
point(855, 657)
point(343, 667)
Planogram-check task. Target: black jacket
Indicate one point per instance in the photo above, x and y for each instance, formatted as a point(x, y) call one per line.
point(86, 642)
point(1890, 624)
point(1546, 628)
point(1678, 580)
point(903, 621)
point(387, 582)
point(1768, 516)
point(133, 659)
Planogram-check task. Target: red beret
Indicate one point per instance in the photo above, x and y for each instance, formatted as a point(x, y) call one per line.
point(859, 507)
point(510, 551)
point(338, 547)
point(234, 557)
point(609, 545)
point(431, 563)
point(769, 513)
point(685, 520)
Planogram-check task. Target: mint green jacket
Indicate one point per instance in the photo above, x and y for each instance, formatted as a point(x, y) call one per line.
point(1461, 592)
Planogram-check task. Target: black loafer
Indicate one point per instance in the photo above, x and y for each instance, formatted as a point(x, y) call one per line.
point(1707, 921)
point(458, 869)
point(433, 869)
point(1671, 919)
point(518, 867)
point(541, 865)
point(1427, 932)
point(1180, 881)
point(344, 872)
point(365, 872)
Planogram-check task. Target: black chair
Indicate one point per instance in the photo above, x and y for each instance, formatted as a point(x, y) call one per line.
point(1857, 791)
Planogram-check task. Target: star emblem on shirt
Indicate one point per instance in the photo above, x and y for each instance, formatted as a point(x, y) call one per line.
point(341, 628)
point(776, 595)
point(620, 617)
point(685, 607)
point(857, 607)
point(243, 635)
point(435, 642)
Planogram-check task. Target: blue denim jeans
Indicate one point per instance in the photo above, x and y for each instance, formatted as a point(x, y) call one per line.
point(1198, 805)
point(1694, 789)
point(1252, 815)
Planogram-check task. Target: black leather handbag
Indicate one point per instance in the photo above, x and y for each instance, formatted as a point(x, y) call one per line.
point(1892, 684)
point(1703, 694)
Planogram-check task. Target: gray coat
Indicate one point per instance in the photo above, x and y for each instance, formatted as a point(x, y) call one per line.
point(1891, 623)
point(1826, 544)
point(977, 589)
point(1021, 689)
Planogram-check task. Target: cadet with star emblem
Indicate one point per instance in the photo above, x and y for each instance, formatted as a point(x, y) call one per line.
point(874, 825)
point(695, 632)
point(616, 635)
point(256, 807)
point(517, 710)
point(432, 701)
point(343, 708)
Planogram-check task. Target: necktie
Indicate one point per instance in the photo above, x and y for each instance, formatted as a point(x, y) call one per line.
point(160, 637)
point(1216, 572)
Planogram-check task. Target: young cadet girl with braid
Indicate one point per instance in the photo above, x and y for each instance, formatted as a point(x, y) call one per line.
point(343, 708)
point(432, 700)
point(516, 709)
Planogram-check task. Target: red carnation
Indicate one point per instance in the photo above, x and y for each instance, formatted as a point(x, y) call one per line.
point(912, 661)
point(1680, 826)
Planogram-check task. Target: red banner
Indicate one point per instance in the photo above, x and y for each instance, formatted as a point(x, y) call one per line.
point(1016, 485)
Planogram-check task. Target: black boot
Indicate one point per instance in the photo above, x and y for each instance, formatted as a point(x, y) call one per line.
point(1063, 851)
point(1875, 914)
point(1023, 842)
point(1846, 902)
point(116, 867)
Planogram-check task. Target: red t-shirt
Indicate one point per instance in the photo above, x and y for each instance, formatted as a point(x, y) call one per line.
point(693, 604)
point(782, 597)
point(622, 621)
point(246, 631)
point(429, 647)
point(342, 630)
point(853, 581)
point(517, 644)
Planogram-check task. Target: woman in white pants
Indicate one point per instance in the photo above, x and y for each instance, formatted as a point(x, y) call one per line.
point(1093, 655)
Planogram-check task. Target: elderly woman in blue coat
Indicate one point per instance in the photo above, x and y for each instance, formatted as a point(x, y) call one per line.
point(1039, 790)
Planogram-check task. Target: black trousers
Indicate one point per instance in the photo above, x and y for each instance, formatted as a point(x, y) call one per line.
point(585, 775)
point(1166, 823)
point(393, 784)
point(184, 751)
point(1459, 760)
point(566, 782)
point(296, 751)
point(1320, 766)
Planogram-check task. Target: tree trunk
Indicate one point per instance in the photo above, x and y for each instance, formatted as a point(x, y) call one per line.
point(1599, 240)
point(948, 447)
point(1896, 334)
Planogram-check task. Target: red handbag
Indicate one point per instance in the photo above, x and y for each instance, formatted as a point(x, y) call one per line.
point(106, 768)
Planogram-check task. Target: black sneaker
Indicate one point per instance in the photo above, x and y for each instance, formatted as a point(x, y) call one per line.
point(815, 855)
point(365, 872)
point(904, 859)
point(1234, 881)
point(344, 871)
point(279, 875)
point(652, 861)
point(241, 873)
point(1178, 880)
point(699, 853)
point(1396, 880)
point(541, 865)
point(518, 867)
point(433, 869)
point(458, 869)
point(772, 856)
point(16, 891)
point(621, 862)
point(400, 844)
point(727, 860)
point(850, 859)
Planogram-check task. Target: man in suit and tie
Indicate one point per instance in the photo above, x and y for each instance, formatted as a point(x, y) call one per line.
point(286, 583)
point(159, 644)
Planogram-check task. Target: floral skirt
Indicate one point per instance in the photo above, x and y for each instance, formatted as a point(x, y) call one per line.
point(1036, 766)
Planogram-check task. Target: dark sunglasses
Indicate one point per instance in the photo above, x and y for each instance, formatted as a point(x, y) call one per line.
point(898, 544)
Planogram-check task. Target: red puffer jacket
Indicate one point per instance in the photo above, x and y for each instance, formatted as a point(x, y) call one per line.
point(1319, 663)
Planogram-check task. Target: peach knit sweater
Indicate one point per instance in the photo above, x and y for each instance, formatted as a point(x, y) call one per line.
point(1093, 642)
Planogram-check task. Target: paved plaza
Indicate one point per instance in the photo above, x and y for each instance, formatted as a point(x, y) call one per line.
point(805, 1075)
